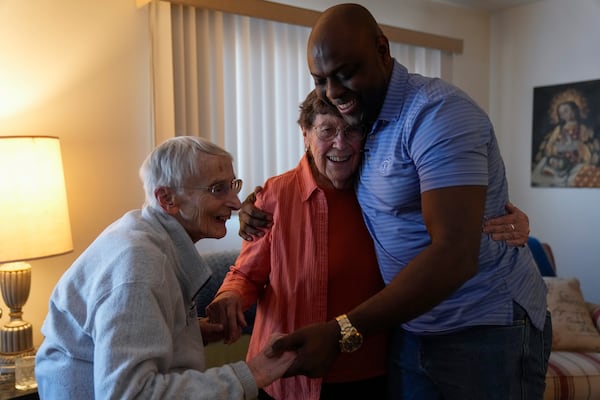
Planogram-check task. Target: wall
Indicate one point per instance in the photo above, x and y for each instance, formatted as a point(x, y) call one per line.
point(471, 68)
point(78, 70)
point(546, 43)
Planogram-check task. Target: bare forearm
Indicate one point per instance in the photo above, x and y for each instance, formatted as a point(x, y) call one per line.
point(429, 279)
point(453, 219)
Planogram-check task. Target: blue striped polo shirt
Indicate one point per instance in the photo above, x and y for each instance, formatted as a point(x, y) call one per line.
point(429, 135)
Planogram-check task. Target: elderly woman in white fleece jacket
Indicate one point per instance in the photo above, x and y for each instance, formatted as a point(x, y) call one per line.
point(122, 322)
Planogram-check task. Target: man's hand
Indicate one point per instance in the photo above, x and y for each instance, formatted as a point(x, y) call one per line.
point(316, 345)
point(226, 309)
point(512, 227)
point(253, 221)
point(211, 332)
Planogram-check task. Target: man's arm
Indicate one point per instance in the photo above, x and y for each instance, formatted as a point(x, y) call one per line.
point(453, 218)
point(512, 226)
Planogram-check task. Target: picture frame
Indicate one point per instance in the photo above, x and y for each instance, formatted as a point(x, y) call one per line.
point(565, 149)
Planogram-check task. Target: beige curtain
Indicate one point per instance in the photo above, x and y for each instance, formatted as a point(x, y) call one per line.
point(238, 81)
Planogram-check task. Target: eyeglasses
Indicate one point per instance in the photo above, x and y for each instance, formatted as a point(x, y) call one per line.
point(349, 132)
point(221, 189)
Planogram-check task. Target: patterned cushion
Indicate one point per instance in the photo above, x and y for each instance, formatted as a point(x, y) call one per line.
point(573, 376)
point(572, 325)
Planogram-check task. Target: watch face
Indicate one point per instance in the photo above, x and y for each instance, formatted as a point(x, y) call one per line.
point(351, 342)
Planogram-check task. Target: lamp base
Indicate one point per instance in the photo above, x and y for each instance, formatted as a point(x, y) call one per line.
point(16, 336)
point(16, 339)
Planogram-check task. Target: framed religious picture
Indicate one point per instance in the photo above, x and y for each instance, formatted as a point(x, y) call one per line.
point(565, 149)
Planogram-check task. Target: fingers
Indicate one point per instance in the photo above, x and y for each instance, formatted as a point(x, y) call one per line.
point(316, 347)
point(515, 234)
point(282, 344)
point(519, 218)
point(252, 227)
point(247, 230)
point(266, 369)
point(211, 332)
point(512, 227)
point(253, 221)
point(226, 309)
point(289, 344)
point(502, 221)
point(512, 238)
point(516, 220)
point(235, 322)
point(511, 208)
point(251, 198)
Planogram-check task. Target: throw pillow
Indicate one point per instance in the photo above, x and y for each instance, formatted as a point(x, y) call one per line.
point(572, 325)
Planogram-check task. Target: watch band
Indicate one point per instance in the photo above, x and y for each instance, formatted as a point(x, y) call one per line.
point(351, 338)
point(344, 323)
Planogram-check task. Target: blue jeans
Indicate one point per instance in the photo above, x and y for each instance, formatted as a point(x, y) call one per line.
point(482, 362)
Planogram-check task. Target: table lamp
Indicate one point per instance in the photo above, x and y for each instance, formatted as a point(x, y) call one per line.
point(34, 223)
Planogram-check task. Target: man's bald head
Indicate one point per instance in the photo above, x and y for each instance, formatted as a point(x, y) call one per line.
point(349, 19)
point(349, 59)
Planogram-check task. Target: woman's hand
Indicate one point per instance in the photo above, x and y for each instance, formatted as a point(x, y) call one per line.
point(211, 332)
point(226, 310)
point(512, 227)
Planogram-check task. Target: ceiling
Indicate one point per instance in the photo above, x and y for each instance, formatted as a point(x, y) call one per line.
point(489, 5)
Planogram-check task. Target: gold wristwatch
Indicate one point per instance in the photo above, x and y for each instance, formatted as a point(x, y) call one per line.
point(351, 338)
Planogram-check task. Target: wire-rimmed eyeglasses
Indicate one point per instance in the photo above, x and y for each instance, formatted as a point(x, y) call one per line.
point(349, 132)
point(221, 189)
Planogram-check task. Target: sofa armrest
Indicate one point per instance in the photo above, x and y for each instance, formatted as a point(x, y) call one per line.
point(219, 263)
point(543, 256)
point(595, 313)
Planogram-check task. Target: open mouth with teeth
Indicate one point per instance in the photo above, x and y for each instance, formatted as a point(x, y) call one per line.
point(338, 159)
point(346, 107)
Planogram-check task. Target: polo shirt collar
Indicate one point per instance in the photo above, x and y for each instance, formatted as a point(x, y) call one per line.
point(395, 94)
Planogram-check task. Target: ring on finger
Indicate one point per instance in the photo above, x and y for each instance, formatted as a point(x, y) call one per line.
point(512, 226)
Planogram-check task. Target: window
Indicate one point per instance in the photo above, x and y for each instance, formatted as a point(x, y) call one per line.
point(238, 81)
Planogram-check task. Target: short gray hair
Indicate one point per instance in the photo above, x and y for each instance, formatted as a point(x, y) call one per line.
point(173, 162)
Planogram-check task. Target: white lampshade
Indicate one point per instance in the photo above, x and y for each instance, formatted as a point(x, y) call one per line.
point(34, 215)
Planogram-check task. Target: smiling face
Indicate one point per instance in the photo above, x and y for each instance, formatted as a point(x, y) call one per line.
point(201, 213)
point(335, 161)
point(350, 62)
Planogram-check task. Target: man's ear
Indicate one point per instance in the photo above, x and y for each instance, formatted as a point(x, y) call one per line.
point(383, 47)
point(167, 199)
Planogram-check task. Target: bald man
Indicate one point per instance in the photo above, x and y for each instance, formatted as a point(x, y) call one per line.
point(468, 313)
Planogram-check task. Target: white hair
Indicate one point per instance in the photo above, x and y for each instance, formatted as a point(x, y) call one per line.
point(173, 162)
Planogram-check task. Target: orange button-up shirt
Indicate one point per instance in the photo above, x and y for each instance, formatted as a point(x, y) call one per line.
point(315, 263)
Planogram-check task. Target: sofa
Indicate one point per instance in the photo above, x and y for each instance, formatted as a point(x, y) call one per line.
point(574, 365)
point(219, 353)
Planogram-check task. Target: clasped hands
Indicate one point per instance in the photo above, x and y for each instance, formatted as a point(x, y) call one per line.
point(315, 346)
